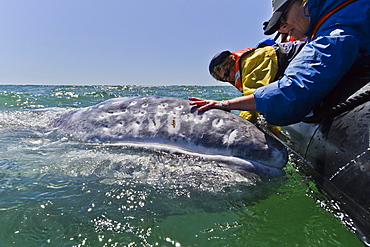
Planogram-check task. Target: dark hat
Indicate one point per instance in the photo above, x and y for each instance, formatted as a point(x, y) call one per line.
point(278, 9)
point(218, 59)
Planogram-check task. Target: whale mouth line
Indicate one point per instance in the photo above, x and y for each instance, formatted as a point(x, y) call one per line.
point(238, 164)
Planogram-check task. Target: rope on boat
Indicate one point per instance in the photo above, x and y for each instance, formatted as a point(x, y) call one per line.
point(347, 105)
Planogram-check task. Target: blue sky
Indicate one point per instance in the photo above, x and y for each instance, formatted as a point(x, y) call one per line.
point(122, 42)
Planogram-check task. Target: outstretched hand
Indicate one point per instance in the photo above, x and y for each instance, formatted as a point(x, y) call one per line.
point(206, 104)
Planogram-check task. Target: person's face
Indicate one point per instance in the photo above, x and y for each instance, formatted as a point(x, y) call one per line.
point(294, 22)
point(228, 74)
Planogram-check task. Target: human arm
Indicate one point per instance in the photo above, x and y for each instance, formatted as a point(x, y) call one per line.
point(244, 103)
point(313, 73)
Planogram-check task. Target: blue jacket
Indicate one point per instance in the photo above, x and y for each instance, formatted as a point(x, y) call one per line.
point(315, 71)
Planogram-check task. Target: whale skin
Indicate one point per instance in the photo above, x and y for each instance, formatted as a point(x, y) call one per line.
point(172, 123)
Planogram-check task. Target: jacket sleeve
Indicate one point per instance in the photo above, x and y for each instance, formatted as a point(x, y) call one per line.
point(311, 75)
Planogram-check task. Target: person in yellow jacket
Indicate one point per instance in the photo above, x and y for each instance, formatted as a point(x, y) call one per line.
point(251, 68)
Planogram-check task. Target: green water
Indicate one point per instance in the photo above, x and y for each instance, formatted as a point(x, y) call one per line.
point(59, 192)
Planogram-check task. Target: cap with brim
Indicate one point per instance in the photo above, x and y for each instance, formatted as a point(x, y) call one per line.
point(218, 59)
point(278, 9)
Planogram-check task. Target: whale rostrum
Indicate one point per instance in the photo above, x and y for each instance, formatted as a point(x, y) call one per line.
point(171, 123)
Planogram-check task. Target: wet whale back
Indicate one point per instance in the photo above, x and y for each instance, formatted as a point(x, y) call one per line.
point(174, 122)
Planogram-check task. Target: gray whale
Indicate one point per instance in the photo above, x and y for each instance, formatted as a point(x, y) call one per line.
point(172, 124)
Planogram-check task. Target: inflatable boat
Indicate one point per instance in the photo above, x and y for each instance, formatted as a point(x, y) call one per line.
point(334, 144)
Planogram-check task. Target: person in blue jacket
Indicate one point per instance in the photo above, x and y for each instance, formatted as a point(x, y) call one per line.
point(338, 33)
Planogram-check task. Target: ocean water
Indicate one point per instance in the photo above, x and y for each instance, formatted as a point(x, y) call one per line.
point(56, 191)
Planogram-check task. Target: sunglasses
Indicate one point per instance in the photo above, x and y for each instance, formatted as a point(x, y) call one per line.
point(226, 74)
point(282, 18)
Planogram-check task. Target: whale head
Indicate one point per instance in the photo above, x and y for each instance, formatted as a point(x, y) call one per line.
point(172, 124)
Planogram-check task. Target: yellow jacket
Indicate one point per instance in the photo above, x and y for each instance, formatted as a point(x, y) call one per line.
point(258, 68)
